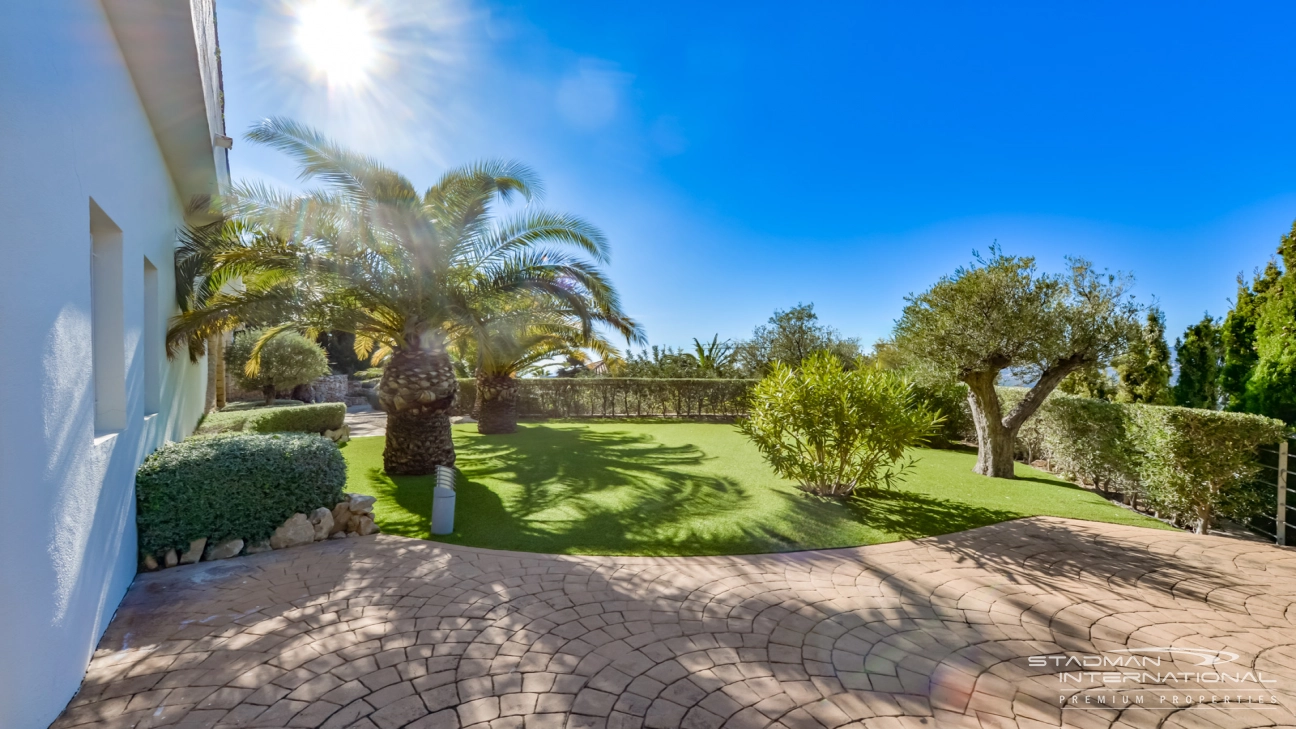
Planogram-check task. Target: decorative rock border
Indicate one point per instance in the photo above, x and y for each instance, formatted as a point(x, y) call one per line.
point(351, 517)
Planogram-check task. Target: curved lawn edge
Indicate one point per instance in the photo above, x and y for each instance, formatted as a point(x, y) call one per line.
point(690, 489)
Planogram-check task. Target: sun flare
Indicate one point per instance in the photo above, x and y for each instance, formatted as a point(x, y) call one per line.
point(337, 39)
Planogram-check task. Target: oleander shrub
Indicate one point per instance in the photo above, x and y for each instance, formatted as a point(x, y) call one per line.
point(286, 361)
point(233, 486)
point(836, 431)
point(1196, 464)
point(292, 417)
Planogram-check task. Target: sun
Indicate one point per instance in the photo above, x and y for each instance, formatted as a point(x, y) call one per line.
point(337, 40)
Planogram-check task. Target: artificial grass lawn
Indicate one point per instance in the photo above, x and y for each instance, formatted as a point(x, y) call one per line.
point(688, 489)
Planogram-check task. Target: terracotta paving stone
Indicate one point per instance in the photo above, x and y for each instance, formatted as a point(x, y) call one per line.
point(384, 632)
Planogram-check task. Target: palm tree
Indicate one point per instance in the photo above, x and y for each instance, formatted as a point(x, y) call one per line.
point(521, 337)
point(714, 357)
point(365, 253)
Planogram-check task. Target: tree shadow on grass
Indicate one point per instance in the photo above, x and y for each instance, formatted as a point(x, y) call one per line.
point(573, 490)
point(910, 515)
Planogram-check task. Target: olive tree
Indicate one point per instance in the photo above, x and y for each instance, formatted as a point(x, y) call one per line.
point(1001, 313)
point(285, 362)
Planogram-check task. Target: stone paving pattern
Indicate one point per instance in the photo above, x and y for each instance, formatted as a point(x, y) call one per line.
point(384, 632)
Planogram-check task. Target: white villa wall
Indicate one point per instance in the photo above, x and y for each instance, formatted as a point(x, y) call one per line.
point(72, 129)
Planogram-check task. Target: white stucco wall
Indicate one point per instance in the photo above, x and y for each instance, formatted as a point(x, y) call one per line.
point(71, 129)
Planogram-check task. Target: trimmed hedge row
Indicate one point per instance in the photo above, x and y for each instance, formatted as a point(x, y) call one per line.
point(1189, 464)
point(579, 397)
point(233, 486)
point(294, 418)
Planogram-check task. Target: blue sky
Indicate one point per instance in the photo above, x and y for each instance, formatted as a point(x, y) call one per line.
point(744, 157)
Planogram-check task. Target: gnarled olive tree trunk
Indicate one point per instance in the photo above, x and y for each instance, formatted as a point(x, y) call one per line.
point(496, 404)
point(995, 441)
point(417, 389)
point(997, 432)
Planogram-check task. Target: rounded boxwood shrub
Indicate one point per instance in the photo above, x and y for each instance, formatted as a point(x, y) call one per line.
point(233, 486)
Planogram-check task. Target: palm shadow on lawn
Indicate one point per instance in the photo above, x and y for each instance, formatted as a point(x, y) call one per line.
point(576, 490)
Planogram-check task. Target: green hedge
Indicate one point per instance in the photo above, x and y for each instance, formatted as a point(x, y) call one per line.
point(296, 417)
point(577, 397)
point(1188, 464)
point(233, 486)
point(1196, 464)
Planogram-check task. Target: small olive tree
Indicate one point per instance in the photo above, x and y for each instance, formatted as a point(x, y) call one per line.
point(1001, 314)
point(834, 430)
point(286, 361)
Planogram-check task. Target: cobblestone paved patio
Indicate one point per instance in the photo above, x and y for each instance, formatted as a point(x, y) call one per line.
point(391, 632)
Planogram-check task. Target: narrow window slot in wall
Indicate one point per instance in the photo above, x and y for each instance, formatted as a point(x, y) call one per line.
point(152, 340)
point(107, 323)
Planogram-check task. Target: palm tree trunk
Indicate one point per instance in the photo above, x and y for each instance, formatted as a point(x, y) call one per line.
point(496, 404)
point(417, 389)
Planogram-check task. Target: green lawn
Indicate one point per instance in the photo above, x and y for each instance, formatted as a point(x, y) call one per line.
point(688, 488)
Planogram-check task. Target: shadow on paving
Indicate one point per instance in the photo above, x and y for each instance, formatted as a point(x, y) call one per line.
point(937, 630)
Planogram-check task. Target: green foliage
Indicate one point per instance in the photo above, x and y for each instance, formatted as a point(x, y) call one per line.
point(286, 360)
point(577, 397)
point(1090, 381)
point(294, 417)
point(834, 430)
point(233, 486)
point(1001, 313)
point(1195, 464)
point(373, 373)
point(790, 338)
point(315, 418)
point(714, 358)
point(1259, 340)
point(1199, 355)
point(1084, 438)
point(1188, 464)
point(1143, 369)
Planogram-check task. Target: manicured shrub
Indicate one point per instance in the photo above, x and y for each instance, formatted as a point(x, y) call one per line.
point(1188, 464)
point(315, 418)
point(293, 417)
point(834, 431)
point(1196, 464)
point(286, 361)
point(233, 486)
point(579, 397)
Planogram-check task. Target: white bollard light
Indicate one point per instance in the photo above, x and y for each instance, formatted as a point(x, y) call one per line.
point(443, 501)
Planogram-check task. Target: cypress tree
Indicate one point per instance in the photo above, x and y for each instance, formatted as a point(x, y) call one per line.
point(1143, 371)
point(1199, 355)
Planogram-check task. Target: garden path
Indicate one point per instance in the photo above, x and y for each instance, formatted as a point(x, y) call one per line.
point(392, 632)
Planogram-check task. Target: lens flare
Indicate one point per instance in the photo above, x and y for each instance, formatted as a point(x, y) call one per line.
point(337, 40)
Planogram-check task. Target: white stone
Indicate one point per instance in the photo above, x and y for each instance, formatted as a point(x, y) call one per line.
point(365, 526)
point(361, 504)
point(462, 420)
point(293, 533)
point(322, 520)
point(226, 549)
point(171, 559)
point(195, 551)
